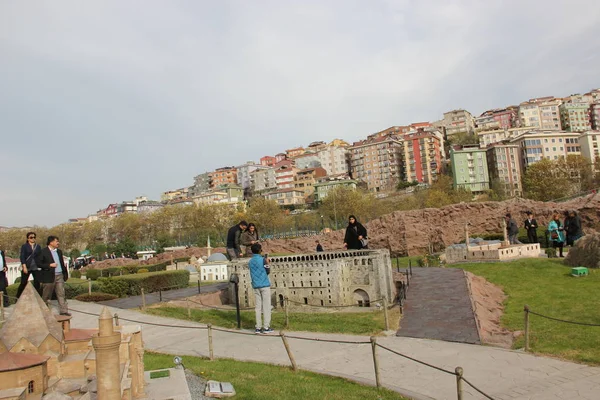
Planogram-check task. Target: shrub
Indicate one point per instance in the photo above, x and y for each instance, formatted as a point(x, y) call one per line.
point(72, 290)
point(76, 274)
point(142, 271)
point(18, 279)
point(112, 271)
point(95, 296)
point(551, 252)
point(92, 274)
point(131, 285)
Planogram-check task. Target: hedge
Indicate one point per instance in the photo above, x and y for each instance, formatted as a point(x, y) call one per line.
point(131, 285)
point(94, 274)
point(71, 290)
point(95, 296)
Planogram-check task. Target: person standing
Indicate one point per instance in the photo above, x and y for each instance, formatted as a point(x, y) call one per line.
point(4, 278)
point(248, 238)
point(356, 235)
point(53, 274)
point(557, 233)
point(531, 227)
point(512, 229)
point(259, 274)
point(319, 246)
point(29, 252)
point(234, 234)
point(574, 231)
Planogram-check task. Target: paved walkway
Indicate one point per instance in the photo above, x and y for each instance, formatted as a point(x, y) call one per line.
point(153, 298)
point(503, 374)
point(438, 306)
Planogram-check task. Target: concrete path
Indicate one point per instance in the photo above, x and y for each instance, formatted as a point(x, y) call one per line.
point(153, 298)
point(438, 306)
point(503, 374)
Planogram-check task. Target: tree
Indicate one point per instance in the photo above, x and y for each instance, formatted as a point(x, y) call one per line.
point(543, 181)
point(344, 201)
point(579, 171)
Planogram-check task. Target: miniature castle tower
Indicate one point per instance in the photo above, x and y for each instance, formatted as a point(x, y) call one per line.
point(208, 248)
point(106, 344)
point(505, 242)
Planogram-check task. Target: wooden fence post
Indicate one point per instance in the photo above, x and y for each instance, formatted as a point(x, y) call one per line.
point(375, 360)
point(526, 310)
point(211, 355)
point(143, 300)
point(187, 303)
point(385, 315)
point(289, 351)
point(2, 305)
point(459, 390)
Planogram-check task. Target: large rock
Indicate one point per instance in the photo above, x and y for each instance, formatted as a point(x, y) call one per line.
point(416, 232)
point(586, 252)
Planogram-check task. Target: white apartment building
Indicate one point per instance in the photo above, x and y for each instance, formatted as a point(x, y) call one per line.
point(458, 121)
point(334, 159)
point(550, 115)
point(552, 145)
point(487, 138)
point(244, 177)
point(263, 179)
point(529, 115)
point(590, 142)
point(505, 166)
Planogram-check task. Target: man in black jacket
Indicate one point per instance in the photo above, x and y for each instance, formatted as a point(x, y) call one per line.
point(4, 278)
point(234, 249)
point(531, 227)
point(53, 274)
point(29, 252)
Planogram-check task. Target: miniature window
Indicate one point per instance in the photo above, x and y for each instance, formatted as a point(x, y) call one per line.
point(30, 387)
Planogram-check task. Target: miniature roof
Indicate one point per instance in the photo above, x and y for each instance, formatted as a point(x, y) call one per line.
point(217, 257)
point(30, 319)
point(15, 361)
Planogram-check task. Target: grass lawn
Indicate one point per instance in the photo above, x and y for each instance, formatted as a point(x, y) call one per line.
point(547, 287)
point(263, 381)
point(367, 323)
point(402, 262)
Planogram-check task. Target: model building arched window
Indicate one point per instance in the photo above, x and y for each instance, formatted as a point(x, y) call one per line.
point(30, 387)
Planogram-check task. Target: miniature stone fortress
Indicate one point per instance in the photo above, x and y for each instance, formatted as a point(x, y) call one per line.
point(40, 353)
point(334, 278)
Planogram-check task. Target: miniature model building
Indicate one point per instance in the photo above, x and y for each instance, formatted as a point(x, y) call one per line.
point(40, 353)
point(333, 278)
point(489, 250)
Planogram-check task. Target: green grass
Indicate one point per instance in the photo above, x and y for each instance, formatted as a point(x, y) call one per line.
point(403, 262)
point(160, 374)
point(263, 381)
point(367, 323)
point(547, 287)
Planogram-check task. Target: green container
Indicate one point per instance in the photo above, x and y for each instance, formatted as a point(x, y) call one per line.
point(579, 271)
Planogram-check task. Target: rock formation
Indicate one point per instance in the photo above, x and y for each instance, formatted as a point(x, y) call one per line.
point(586, 252)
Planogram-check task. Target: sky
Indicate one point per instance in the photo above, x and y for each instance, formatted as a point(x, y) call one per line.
point(102, 101)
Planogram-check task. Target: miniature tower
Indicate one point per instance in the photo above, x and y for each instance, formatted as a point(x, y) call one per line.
point(505, 242)
point(106, 344)
point(467, 235)
point(208, 248)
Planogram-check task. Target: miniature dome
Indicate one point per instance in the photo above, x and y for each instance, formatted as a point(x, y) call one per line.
point(217, 257)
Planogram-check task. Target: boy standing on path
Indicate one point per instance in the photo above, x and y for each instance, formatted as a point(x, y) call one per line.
point(259, 271)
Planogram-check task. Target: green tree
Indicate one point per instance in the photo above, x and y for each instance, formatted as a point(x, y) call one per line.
point(543, 181)
point(343, 201)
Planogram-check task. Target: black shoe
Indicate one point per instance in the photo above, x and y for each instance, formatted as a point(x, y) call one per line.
point(65, 313)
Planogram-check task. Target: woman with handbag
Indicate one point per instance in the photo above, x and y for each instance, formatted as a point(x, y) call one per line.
point(356, 235)
point(248, 238)
point(29, 251)
point(557, 234)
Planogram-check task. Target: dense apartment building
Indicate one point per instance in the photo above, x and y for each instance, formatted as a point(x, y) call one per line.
point(244, 171)
point(541, 113)
point(505, 167)
point(552, 145)
point(226, 194)
point(201, 184)
point(334, 157)
point(575, 116)
point(590, 142)
point(458, 121)
point(487, 138)
point(222, 176)
point(328, 183)
point(268, 161)
point(263, 179)
point(305, 179)
point(295, 152)
point(500, 118)
point(177, 194)
point(310, 159)
point(284, 174)
point(595, 116)
point(287, 197)
point(421, 156)
point(376, 162)
point(550, 115)
point(469, 168)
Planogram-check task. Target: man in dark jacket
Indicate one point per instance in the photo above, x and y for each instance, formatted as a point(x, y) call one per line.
point(531, 227)
point(29, 251)
point(234, 249)
point(4, 278)
point(513, 230)
point(53, 274)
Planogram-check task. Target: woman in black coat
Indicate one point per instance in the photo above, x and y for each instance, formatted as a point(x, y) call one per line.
point(355, 233)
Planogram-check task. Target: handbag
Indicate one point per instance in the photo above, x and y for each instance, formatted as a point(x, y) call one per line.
point(554, 235)
point(364, 242)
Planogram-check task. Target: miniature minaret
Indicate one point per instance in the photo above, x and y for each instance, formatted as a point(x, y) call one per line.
point(505, 242)
point(106, 344)
point(467, 235)
point(208, 248)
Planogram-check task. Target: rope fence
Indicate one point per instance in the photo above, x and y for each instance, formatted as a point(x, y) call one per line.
point(527, 311)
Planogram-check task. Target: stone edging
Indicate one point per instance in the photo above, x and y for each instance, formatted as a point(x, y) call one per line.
point(473, 306)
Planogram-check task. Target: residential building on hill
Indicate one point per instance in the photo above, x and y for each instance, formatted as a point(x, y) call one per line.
point(310, 159)
point(421, 156)
point(226, 194)
point(575, 116)
point(458, 121)
point(490, 137)
point(284, 174)
point(201, 184)
point(149, 207)
point(505, 168)
point(263, 179)
point(170, 195)
point(590, 142)
point(244, 171)
point(295, 152)
point(328, 183)
point(305, 179)
point(595, 116)
point(500, 118)
point(552, 145)
point(334, 157)
point(268, 161)
point(222, 176)
point(529, 115)
point(376, 162)
point(550, 115)
point(469, 168)
point(287, 197)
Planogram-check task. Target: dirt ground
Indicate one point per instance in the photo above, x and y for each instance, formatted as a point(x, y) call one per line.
point(488, 301)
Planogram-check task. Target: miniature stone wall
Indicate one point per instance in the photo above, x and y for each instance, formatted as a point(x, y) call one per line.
point(322, 279)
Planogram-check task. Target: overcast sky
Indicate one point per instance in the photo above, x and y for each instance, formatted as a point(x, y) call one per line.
point(102, 101)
